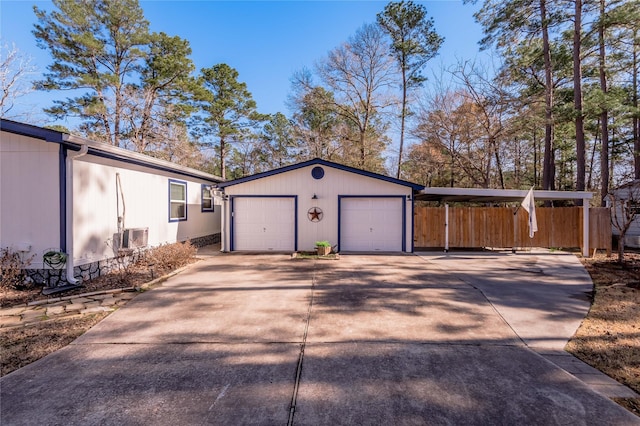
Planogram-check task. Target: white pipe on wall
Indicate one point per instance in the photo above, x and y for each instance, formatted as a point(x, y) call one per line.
point(69, 209)
point(223, 227)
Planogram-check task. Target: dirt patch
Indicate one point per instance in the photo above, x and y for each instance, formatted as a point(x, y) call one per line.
point(24, 345)
point(609, 338)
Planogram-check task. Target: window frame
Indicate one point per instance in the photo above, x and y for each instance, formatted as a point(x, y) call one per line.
point(204, 209)
point(171, 201)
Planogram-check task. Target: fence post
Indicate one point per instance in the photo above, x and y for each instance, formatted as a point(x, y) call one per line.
point(585, 227)
point(446, 227)
point(515, 230)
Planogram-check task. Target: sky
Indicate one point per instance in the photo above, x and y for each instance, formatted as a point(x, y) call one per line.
point(265, 41)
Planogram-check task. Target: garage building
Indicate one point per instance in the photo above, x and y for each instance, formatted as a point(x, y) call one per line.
point(290, 208)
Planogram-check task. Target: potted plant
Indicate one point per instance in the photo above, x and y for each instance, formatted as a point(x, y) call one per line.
point(323, 248)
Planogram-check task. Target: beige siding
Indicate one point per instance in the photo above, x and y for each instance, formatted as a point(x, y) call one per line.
point(29, 213)
point(334, 183)
point(146, 205)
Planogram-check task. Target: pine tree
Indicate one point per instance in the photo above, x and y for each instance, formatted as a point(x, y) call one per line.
point(98, 46)
point(229, 110)
point(413, 42)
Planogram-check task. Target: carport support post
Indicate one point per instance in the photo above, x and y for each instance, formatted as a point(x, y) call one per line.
point(446, 227)
point(585, 227)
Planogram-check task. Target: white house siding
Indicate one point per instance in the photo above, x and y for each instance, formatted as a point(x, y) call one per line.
point(29, 197)
point(146, 204)
point(334, 183)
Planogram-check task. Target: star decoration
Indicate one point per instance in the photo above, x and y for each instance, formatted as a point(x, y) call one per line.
point(315, 214)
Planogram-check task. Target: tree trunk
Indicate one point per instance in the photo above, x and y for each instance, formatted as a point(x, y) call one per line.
point(547, 167)
point(105, 119)
point(621, 246)
point(452, 176)
point(223, 163)
point(636, 117)
point(592, 158)
point(577, 99)
point(517, 163)
point(535, 158)
point(604, 115)
point(402, 120)
point(363, 152)
point(499, 163)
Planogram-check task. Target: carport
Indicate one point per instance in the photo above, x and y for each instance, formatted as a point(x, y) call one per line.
point(482, 195)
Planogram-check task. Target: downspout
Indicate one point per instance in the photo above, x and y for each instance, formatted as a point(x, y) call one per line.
point(84, 148)
point(223, 227)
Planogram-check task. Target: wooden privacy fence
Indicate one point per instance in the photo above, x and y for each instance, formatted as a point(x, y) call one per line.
point(473, 227)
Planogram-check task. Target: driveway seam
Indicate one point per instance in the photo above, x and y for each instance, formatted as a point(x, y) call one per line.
point(504, 320)
point(296, 386)
point(596, 380)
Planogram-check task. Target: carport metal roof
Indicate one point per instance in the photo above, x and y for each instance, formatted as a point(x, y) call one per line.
point(482, 195)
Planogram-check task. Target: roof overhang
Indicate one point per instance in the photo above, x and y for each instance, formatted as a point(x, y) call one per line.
point(109, 151)
point(482, 195)
point(102, 149)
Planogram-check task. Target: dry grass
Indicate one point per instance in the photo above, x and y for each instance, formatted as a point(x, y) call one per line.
point(152, 264)
point(24, 345)
point(609, 338)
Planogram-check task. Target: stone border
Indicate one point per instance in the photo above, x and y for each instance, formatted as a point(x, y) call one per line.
point(52, 278)
point(78, 304)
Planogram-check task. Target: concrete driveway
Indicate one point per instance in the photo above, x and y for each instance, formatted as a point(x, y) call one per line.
point(251, 339)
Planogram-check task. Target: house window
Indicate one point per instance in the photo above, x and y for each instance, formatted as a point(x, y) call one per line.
point(177, 200)
point(207, 198)
point(634, 208)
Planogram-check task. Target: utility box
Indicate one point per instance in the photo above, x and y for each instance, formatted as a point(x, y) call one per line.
point(135, 238)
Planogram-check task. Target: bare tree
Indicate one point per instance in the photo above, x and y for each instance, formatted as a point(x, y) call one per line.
point(315, 121)
point(360, 74)
point(492, 101)
point(15, 67)
point(625, 208)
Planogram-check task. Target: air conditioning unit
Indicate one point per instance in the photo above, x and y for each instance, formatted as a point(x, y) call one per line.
point(135, 238)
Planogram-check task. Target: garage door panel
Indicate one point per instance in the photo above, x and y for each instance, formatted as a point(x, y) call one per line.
point(264, 224)
point(371, 224)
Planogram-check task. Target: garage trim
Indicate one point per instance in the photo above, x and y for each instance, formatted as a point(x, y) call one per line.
point(295, 216)
point(318, 161)
point(404, 215)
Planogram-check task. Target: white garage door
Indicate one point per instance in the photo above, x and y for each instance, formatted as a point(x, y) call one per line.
point(264, 224)
point(371, 224)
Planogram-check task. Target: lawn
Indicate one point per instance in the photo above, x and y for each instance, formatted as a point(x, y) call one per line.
point(609, 338)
